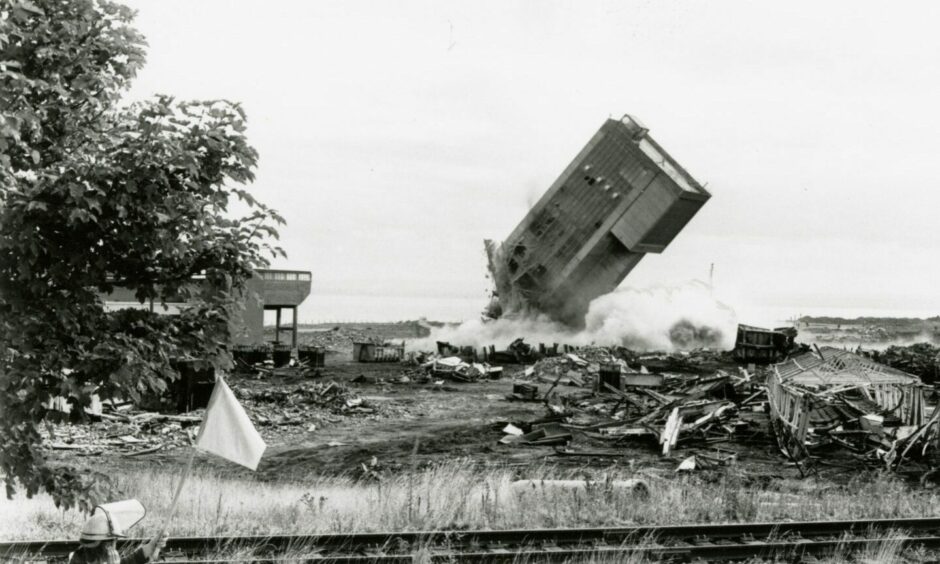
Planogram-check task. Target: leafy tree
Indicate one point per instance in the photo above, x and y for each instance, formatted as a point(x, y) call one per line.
point(94, 195)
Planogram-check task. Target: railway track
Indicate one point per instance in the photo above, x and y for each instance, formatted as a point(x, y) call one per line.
point(728, 542)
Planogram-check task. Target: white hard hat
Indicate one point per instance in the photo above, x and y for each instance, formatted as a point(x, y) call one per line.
point(111, 520)
point(98, 528)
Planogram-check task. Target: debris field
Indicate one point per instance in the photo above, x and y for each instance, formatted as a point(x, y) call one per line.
point(699, 410)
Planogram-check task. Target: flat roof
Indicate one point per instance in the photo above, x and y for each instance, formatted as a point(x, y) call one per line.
point(660, 157)
point(668, 165)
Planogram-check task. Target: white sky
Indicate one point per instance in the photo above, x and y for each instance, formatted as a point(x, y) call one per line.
point(396, 136)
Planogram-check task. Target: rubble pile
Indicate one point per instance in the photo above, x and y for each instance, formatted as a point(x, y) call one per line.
point(455, 368)
point(292, 406)
point(338, 339)
point(581, 368)
point(570, 369)
point(764, 346)
point(518, 352)
point(699, 361)
point(821, 405)
point(124, 431)
point(831, 398)
point(122, 428)
point(921, 359)
point(304, 368)
point(624, 401)
point(688, 410)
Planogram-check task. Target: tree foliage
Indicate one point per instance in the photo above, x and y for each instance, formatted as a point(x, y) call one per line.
point(97, 194)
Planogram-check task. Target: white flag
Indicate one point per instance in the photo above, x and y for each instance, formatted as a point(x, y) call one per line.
point(227, 431)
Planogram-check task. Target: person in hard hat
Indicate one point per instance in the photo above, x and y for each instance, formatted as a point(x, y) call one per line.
point(97, 543)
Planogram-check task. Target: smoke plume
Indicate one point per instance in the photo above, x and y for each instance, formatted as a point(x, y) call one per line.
point(676, 318)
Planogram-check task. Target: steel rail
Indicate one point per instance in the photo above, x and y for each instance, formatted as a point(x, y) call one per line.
point(792, 550)
point(489, 546)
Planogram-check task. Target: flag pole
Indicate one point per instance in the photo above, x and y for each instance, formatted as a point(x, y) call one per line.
point(224, 416)
point(176, 497)
point(186, 472)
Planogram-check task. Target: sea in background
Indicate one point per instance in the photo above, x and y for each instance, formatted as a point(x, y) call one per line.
point(347, 308)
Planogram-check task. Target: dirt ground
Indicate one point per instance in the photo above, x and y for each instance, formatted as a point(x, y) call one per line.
point(406, 422)
point(407, 425)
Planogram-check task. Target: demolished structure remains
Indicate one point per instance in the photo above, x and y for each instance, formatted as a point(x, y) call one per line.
point(831, 397)
point(756, 345)
point(623, 196)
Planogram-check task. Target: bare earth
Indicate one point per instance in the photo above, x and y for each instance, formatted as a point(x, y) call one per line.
point(412, 424)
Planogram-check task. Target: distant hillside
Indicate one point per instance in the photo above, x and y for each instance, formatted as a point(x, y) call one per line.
point(879, 321)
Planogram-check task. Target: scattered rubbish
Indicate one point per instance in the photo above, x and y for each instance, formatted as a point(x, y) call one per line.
point(543, 434)
point(375, 352)
point(465, 353)
point(638, 379)
point(703, 461)
point(455, 368)
point(832, 398)
point(340, 339)
point(763, 346)
point(247, 356)
point(687, 465)
point(622, 401)
point(523, 391)
point(608, 376)
point(123, 428)
point(518, 352)
point(920, 359)
point(273, 406)
point(552, 487)
point(311, 356)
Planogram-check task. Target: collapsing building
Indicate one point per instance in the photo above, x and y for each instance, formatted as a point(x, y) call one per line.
point(623, 196)
point(831, 397)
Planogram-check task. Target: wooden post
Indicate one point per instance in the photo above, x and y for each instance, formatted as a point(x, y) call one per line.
point(293, 343)
point(277, 327)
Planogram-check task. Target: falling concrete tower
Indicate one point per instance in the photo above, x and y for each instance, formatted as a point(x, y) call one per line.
point(623, 196)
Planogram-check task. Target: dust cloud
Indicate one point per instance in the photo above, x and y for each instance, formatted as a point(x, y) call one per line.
point(675, 318)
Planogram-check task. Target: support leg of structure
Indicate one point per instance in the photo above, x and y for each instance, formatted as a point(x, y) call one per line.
point(293, 336)
point(277, 327)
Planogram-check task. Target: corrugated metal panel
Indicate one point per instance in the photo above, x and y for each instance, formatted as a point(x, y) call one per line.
point(582, 204)
point(669, 225)
point(645, 212)
point(520, 229)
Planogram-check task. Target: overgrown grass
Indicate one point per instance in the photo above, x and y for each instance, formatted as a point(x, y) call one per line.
point(457, 495)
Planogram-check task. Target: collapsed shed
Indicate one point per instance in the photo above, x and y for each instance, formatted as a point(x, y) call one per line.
point(834, 397)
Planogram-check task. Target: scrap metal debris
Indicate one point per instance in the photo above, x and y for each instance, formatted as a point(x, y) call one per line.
point(378, 352)
point(123, 428)
point(920, 359)
point(455, 368)
point(833, 398)
point(623, 401)
point(763, 346)
point(816, 401)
